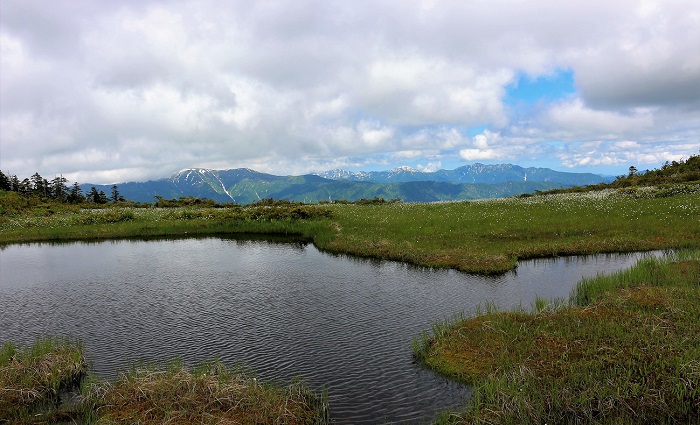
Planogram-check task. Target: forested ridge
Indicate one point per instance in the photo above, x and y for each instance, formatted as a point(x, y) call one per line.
point(37, 189)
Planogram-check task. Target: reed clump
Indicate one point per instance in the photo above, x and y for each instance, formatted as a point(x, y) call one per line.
point(32, 377)
point(210, 393)
point(625, 349)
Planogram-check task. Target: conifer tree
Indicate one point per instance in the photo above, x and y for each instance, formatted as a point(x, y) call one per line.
point(59, 189)
point(76, 194)
point(4, 182)
point(93, 195)
point(14, 183)
point(25, 187)
point(116, 197)
point(38, 186)
point(102, 197)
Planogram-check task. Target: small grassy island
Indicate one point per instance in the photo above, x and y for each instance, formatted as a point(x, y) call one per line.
point(624, 349)
point(32, 380)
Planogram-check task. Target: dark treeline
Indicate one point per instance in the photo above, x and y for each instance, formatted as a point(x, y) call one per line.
point(56, 189)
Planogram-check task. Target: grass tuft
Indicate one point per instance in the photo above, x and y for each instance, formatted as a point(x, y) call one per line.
point(32, 377)
point(210, 393)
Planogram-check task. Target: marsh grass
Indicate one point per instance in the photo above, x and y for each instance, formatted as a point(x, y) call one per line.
point(120, 222)
point(32, 377)
point(490, 236)
point(626, 349)
point(209, 394)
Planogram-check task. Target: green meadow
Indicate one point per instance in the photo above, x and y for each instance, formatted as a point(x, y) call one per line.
point(490, 236)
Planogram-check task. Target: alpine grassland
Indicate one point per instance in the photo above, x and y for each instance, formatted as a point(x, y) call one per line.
point(625, 349)
point(49, 221)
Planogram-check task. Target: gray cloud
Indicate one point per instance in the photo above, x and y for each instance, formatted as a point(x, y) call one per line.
point(113, 91)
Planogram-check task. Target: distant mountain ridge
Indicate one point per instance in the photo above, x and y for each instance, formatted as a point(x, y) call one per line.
point(473, 174)
point(243, 185)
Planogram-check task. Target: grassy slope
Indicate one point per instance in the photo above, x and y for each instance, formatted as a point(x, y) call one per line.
point(627, 350)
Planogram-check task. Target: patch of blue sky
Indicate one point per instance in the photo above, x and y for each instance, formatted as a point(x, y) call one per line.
point(543, 88)
point(473, 131)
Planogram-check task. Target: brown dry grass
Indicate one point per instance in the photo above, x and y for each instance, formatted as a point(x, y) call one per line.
point(209, 395)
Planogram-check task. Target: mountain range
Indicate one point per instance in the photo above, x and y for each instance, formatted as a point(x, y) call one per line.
point(244, 186)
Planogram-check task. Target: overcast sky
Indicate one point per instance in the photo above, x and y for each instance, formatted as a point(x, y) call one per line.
point(114, 91)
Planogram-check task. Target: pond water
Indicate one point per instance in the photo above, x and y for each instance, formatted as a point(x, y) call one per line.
point(282, 309)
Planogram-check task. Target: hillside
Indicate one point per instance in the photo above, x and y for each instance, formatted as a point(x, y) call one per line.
point(671, 173)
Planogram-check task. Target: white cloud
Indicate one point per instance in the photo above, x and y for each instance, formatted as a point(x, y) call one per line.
point(417, 89)
point(575, 118)
point(619, 154)
point(487, 146)
point(479, 154)
point(430, 167)
point(373, 134)
point(140, 89)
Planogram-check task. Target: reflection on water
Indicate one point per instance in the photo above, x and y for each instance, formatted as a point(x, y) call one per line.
point(280, 308)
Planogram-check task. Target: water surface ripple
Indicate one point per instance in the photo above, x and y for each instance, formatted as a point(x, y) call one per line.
point(284, 310)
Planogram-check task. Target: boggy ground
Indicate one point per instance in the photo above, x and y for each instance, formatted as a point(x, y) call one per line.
point(626, 349)
point(32, 377)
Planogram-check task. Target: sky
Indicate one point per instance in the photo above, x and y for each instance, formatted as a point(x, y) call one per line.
point(109, 91)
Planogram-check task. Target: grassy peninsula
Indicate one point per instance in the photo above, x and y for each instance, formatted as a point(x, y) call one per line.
point(625, 349)
point(658, 209)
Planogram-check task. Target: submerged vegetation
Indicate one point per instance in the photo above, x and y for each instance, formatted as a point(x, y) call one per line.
point(33, 379)
point(625, 349)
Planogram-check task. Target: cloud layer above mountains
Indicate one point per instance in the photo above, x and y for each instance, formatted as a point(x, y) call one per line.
point(112, 91)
